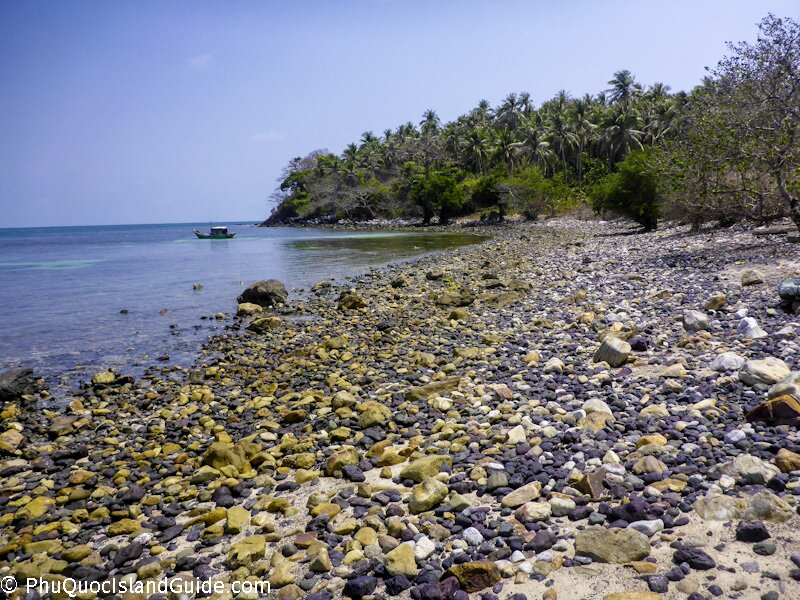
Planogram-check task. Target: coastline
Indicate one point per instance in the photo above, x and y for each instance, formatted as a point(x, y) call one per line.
point(282, 457)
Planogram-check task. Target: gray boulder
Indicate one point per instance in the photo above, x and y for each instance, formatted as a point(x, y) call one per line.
point(265, 293)
point(694, 320)
point(614, 351)
point(15, 383)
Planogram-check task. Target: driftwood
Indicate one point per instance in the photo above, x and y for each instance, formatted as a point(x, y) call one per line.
point(774, 230)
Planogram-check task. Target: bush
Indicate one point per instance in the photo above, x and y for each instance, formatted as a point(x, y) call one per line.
point(631, 191)
point(439, 191)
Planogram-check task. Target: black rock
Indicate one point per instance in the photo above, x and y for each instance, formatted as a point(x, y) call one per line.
point(397, 585)
point(360, 586)
point(128, 553)
point(751, 532)
point(694, 557)
point(765, 548)
point(353, 473)
point(658, 584)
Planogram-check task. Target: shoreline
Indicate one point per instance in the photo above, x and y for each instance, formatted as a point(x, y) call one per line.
point(282, 457)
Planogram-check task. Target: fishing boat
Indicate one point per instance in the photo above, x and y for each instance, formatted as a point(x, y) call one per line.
point(217, 233)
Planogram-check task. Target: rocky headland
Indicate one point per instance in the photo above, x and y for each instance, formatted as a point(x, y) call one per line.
point(565, 411)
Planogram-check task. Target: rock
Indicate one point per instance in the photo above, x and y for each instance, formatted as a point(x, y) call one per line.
point(694, 557)
point(104, 378)
point(715, 301)
point(458, 314)
point(264, 293)
point(526, 493)
point(425, 467)
point(454, 298)
point(561, 507)
point(694, 320)
point(789, 289)
point(727, 361)
point(427, 495)
point(423, 548)
point(750, 468)
point(591, 484)
point(476, 576)
point(373, 413)
point(350, 301)
point(348, 455)
point(790, 386)
point(472, 536)
point(554, 365)
point(36, 508)
point(749, 329)
point(676, 370)
point(248, 309)
point(246, 551)
point(359, 587)
point(321, 561)
point(752, 277)
point(238, 517)
point(10, 441)
point(764, 372)
point(265, 324)
point(783, 410)
point(437, 388)
point(787, 461)
point(16, 383)
point(751, 532)
point(763, 506)
point(613, 351)
point(533, 512)
point(401, 560)
point(648, 528)
point(612, 545)
point(223, 454)
point(516, 435)
point(633, 595)
point(595, 405)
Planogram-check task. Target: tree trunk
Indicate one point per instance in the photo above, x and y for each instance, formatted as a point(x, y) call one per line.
point(792, 201)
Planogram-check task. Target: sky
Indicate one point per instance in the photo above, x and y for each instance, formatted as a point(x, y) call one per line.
point(169, 111)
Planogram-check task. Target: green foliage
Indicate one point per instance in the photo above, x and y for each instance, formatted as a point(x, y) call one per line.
point(486, 193)
point(631, 191)
point(730, 149)
point(439, 191)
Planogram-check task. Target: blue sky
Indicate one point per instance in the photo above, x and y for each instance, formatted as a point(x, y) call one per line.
point(141, 112)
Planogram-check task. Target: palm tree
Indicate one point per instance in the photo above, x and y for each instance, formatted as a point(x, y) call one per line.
point(562, 139)
point(509, 113)
point(506, 148)
point(621, 132)
point(476, 150)
point(582, 125)
point(536, 149)
point(430, 122)
point(623, 87)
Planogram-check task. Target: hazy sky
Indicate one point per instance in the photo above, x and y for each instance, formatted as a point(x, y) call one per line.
point(145, 112)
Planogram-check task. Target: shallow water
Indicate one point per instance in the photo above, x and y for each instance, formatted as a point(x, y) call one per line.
point(64, 287)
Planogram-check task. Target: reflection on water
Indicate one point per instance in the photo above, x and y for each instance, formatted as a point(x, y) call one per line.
point(77, 299)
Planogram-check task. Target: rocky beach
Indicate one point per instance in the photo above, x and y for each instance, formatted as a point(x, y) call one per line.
point(569, 410)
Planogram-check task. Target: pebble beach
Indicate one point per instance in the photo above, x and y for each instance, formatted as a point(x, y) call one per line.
point(569, 410)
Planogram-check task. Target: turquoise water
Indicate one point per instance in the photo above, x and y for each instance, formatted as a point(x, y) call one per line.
point(64, 287)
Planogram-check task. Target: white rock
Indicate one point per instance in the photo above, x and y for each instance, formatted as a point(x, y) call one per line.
point(749, 329)
point(694, 320)
point(728, 361)
point(423, 548)
point(649, 528)
point(767, 371)
point(596, 405)
point(554, 365)
point(472, 536)
point(734, 436)
point(517, 556)
point(561, 506)
point(516, 435)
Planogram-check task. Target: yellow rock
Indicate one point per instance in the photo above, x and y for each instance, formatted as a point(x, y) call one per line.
point(35, 508)
point(655, 438)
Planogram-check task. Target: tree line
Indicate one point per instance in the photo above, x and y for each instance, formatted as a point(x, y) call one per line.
point(725, 151)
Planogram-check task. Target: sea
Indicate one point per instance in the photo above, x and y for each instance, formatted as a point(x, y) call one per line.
point(77, 300)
